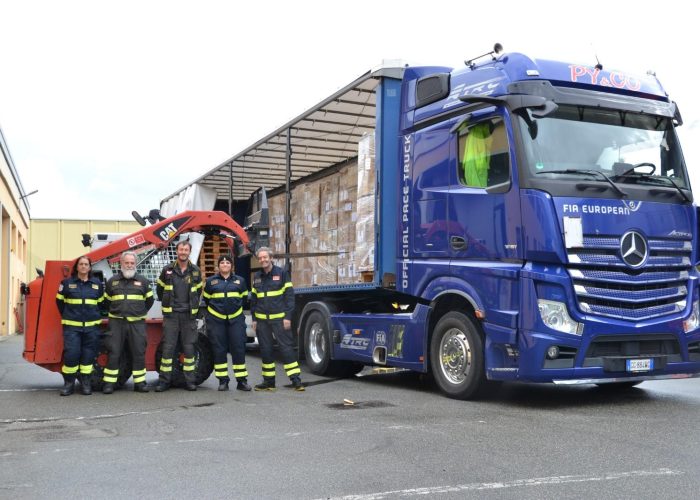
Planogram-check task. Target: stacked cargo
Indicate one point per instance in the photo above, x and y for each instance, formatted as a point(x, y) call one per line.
point(332, 224)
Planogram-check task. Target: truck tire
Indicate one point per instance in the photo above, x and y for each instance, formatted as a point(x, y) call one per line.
point(317, 347)
point(203, 361)
point(457, 356)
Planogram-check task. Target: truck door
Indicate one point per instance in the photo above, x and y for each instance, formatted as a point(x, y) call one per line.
point(484, 222)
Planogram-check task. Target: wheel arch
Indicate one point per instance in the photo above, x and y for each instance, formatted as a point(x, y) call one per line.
point(453, 300)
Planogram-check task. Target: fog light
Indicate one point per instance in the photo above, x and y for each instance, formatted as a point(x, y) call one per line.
point(552, 352)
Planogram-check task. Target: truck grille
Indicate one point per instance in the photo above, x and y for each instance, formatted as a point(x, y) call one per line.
point(606, 286)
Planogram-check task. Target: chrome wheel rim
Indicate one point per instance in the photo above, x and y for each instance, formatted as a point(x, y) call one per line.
point(317, 343)
point(455, 356)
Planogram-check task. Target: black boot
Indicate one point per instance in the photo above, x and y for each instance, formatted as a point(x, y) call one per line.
point(243, 385)
point(268, 384)
point(162, 386)
point(68, 386)
point(297, 385)
point(140, 387)
point(223, 384)
point(86, 385)
point(108, 388)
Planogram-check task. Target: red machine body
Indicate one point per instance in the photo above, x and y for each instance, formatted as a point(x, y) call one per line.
point(43, 344)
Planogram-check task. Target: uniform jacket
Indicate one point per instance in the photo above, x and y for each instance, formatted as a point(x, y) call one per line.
point(128, 298)
point(80, 302)
point(272, 295)
point(164, 286)
point(224, 297)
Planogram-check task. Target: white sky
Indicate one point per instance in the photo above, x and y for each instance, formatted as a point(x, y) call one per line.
point(108, 107)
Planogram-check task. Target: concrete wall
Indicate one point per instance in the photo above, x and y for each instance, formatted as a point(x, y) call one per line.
point(53, 239)
point(14, 230)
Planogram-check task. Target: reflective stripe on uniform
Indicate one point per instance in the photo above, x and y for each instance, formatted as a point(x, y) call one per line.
point(188, 365)
point(167, 288)
point(69, 370)
point(268, 369)
point(221, 370)
point(69, 322)
point(166, 365)
point(269, 316)
point(85, 369)
point(139, 376)
point(110, 376)
point(167, 309)
point(224, 316)
point(221, 295)
point(272, 293)
point(292, 368)
point(239, 371)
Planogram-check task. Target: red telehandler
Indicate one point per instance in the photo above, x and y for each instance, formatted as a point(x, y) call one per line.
point(154, 246)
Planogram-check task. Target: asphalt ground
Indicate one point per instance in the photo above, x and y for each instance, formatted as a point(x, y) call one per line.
point(399, 439)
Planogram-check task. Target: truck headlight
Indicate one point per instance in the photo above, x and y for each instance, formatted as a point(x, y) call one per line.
point(556, 316)
point(693, 320)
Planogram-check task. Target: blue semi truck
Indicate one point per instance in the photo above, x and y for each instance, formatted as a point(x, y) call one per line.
point(533, 221)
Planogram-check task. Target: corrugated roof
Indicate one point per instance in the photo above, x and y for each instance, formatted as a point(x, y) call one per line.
point(323, 136)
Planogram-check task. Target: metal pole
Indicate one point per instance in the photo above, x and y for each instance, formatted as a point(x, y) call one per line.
point(288, 193)
point(230, 189)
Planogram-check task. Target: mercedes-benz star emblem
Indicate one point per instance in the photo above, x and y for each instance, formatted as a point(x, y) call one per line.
point(633, 249)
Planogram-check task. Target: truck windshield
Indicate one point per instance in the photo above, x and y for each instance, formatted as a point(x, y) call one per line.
point(628, 148)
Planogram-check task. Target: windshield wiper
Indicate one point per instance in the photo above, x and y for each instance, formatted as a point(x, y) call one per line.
point(678, 188)
point(587, 172)
point(655, 180)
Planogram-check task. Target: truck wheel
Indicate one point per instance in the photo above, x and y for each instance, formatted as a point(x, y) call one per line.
point(457, 356)
point(203, 362)
point(317, 344)
point(317, 347)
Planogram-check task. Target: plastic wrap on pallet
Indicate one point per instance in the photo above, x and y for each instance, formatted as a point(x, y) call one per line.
point(277, 207)
point(347, 272)
point(329, 203)
point(366, 176)
point(364, 226)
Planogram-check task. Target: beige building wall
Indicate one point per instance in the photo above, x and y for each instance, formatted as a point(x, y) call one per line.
point(14, 230)
point(54, 239)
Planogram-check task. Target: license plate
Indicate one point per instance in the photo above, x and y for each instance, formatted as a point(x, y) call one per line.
point(640, 365)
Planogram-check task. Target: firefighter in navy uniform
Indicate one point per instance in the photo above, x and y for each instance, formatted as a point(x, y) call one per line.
point(130, 297)
point(224, 294)
point(80, 299)
point(272, 305)
point(179, 287)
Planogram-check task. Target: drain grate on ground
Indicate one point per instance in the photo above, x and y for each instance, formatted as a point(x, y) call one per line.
point(359, 405)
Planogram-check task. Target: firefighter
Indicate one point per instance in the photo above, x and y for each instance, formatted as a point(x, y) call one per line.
point(80, 299)
point(179, 287)
point(224, 294)
point(271, 305)
point(130, 297)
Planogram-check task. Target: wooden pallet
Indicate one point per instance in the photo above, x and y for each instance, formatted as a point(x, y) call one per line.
point(212, 248)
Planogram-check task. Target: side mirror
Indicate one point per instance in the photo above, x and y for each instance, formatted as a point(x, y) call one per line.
point(138, 218)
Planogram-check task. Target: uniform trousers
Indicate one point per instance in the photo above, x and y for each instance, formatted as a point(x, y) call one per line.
point(228, 335)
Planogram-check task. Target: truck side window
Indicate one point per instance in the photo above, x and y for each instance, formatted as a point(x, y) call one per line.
point(483, 155)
